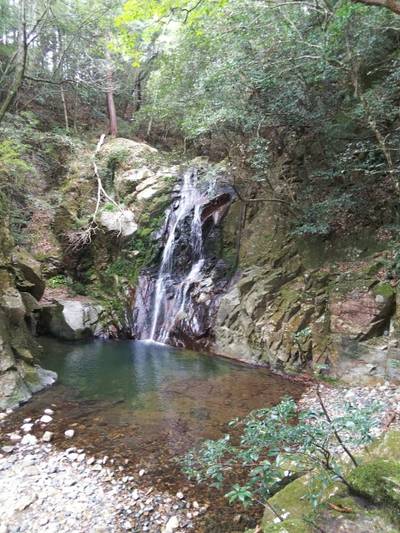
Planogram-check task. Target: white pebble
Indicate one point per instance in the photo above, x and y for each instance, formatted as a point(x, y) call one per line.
point(172, 524)
point(29, 440)
point(15, 437)
point(47, 436)
point(69, 433)
point(46, 419)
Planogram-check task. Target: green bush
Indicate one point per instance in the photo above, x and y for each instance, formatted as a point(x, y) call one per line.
point(58, 281)
point(273, 444)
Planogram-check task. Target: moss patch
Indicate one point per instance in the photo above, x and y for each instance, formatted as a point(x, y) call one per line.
point(378, 481)
point(294, 525)
point(384, 289)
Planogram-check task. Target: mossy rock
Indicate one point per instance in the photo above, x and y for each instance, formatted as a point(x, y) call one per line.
point(292, 501)
point(387, 447)
point(378, 481)
point(385, 290)
point(295, 525)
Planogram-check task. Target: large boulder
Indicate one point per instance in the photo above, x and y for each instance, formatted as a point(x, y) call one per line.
point(20, 377)
point(119, 221)
point(28, 273)
point(71, 319)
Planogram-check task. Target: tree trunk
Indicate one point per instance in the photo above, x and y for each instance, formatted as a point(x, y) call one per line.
point(112, 114)
point(20, 67)
point(64, 108)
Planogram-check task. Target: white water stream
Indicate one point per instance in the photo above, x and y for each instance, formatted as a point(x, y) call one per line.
point(166, 309)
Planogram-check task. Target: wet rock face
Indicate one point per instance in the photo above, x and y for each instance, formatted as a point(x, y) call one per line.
point(20, 281)
point(292, 318)
point(177, 300)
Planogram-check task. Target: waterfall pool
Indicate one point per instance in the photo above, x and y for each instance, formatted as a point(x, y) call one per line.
point(145, 403)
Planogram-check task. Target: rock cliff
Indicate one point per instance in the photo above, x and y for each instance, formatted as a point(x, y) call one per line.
point(297, 305)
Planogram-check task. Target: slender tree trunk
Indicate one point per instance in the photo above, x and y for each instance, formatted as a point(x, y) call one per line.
point(112, 114)
point(21, 59)
point(75, 108)
point(64, 108)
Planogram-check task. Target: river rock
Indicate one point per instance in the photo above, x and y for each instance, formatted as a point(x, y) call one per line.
point(69, 433)
point(29, 274)
point(46, 419)
point(29, 440)
point(47, 436)
point(71, 319)
point(171, 525)
point(119, 221)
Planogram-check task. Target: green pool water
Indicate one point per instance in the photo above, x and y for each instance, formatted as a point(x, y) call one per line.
point(156, 393)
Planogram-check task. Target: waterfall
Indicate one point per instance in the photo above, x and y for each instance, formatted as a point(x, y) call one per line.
point(172, 288)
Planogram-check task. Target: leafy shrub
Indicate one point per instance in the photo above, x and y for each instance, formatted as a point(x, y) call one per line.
point(58, 281)
point(271, 444)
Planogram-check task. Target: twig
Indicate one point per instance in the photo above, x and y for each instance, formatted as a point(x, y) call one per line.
point(335, 432)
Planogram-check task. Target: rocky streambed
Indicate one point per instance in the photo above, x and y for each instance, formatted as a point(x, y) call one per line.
point(50, 484)
point(44, 489)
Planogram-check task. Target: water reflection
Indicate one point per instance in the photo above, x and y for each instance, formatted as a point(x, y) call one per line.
point(159, 395)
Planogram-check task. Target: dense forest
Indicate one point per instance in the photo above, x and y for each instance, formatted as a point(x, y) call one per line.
point(199, 239)
point(302, 98)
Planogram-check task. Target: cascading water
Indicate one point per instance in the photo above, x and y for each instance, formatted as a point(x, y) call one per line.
point(171, 293)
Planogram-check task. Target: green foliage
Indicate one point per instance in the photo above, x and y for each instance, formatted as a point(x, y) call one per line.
point(58, 281)
point(303, 98)
point(272, 444)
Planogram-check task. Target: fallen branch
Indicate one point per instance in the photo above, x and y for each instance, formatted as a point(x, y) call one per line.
point(80, 239)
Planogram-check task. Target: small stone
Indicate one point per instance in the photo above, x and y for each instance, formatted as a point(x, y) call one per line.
point(46, 419)
point(91, 461)
point(135, 495)
point(69, 433)
point(7, 449)
point(15, 437)
point(172, 524)
point(127, 525)
point(29, 440)
point(49, 412)
point(27, 420)
point(27, 427)
point(47, 436)
point(70, 450)
point(180, 495)
point(142, 472)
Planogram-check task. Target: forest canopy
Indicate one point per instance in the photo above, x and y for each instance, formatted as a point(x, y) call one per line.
point(301, 96)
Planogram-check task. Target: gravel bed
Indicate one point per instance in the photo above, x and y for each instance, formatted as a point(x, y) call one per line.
point(334, 398)
point(46, 490)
